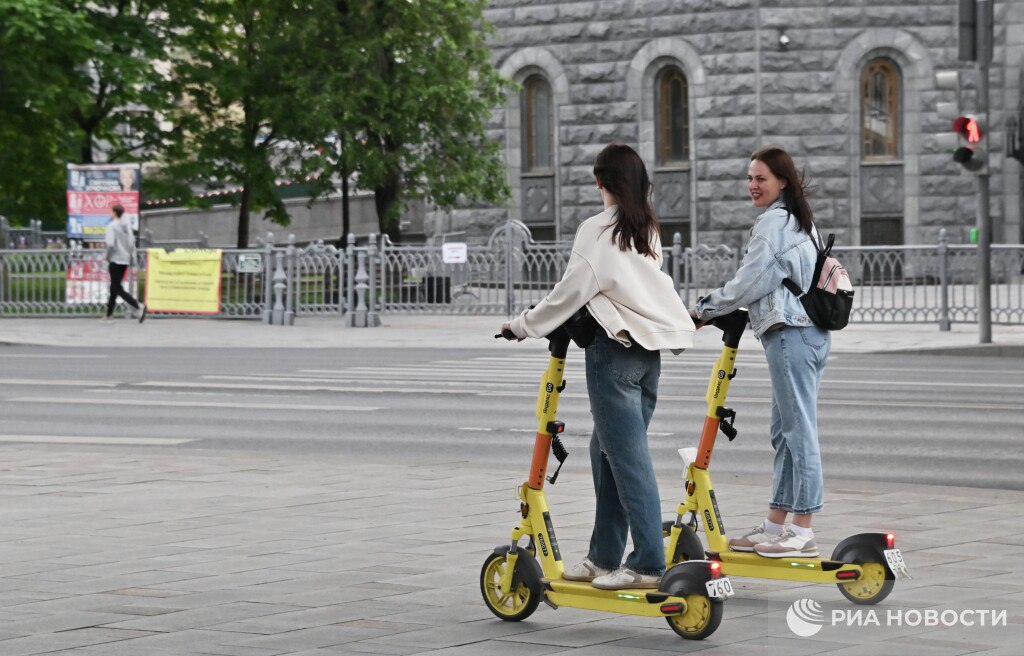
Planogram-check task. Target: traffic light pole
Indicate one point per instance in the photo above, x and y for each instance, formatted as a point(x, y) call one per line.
point(984, 216)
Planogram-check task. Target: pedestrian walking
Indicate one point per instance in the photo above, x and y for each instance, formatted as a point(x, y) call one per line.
point(615, 271)
point(780, 247)
point(120, 256)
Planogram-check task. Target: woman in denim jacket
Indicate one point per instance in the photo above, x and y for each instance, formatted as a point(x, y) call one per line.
point(781, 247)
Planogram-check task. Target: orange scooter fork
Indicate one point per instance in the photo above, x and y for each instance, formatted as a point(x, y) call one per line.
point(547, 408)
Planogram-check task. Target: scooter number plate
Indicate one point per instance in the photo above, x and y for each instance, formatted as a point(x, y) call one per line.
point(719, 588)
point(896, 563)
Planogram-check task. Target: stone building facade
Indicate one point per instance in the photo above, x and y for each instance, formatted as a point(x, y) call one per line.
point(697, 85)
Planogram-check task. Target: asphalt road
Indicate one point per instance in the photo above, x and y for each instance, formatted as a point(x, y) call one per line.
point(902, 418)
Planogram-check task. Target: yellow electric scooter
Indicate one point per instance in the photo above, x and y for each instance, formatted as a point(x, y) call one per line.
point(863, 566)
point(513, 582)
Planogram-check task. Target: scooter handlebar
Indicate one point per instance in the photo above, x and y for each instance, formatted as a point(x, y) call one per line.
point(732, 326)
point(507, 334)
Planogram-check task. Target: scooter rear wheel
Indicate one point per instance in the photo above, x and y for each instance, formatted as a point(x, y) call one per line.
point(513, 607)
point(701, 619)
point(875, 583)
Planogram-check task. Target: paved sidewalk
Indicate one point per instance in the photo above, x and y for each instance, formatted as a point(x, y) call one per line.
point(159, 552)
point(427, 331)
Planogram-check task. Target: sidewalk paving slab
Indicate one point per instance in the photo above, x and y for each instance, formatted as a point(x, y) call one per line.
point(107, 553)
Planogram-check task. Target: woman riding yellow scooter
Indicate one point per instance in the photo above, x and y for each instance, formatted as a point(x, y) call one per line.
point(615, 271)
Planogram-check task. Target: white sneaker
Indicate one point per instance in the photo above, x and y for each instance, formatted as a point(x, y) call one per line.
point(757, 535)
point(585, 571)
point(788, 545)
point(624, 578)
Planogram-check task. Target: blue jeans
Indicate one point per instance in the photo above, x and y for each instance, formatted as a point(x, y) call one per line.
point(623, 387)
point(796, 360)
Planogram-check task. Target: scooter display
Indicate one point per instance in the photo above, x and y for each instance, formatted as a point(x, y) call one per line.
point(517, 576)
point(864, 566)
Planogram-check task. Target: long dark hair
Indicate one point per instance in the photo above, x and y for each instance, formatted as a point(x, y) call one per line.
point(794, 195)
point(622, 173)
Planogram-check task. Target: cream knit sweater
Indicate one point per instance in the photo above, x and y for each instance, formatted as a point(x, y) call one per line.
point(627, 293)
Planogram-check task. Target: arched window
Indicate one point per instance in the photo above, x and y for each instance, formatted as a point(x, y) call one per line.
point(673, 117)
point(538, 125)
point(880, 110)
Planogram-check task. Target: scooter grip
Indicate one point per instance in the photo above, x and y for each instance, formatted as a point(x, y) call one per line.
point(507, 334)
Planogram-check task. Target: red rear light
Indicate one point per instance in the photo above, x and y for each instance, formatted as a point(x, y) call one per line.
point(716, 570)
point(669, 609)
point(890, 540)
point(846, 575)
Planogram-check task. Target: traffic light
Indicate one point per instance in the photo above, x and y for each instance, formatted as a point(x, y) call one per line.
point(967, 139)
point(971, 154)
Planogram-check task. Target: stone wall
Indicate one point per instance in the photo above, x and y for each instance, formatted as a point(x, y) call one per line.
point(747, 91)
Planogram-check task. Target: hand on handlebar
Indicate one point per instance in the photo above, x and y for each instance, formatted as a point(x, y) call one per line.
point(696, 322)
point(506, 332)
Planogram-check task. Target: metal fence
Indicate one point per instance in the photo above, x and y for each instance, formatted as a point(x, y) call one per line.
point(278, 283)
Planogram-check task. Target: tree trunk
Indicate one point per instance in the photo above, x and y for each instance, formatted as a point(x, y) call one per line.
point(386, 199)
point(243, 216)
point(346, 222)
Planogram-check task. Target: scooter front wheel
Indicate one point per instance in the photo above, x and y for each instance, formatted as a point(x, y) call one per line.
point(701, 619)
point(516, 605)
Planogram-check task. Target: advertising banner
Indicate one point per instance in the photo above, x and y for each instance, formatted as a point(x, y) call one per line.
point(93, 189)
point(88, 280)
point(186, 280)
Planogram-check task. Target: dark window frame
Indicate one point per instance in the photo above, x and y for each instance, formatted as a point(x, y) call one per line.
point(672, 128)
point(881, 102)
point(533, 152)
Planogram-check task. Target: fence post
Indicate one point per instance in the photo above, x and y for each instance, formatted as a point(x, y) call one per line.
point(677, 257)
point(943, 248)
point(350, 280)
point(358, 319)
point(292, 282)
point(509, 290)
point(280, 280)
point(268, 268)
point(372, 315)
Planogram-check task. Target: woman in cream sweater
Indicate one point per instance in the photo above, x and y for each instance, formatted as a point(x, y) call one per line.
point(615, 270)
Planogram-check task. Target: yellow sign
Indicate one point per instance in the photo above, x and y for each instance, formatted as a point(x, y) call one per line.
point(186, 280)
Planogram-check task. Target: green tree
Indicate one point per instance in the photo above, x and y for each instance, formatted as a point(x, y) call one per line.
point(77, 79)
point(406, 98)
point(40, 43)
point(238, 111)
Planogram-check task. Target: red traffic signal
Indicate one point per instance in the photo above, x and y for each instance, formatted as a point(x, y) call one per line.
point(968, 127)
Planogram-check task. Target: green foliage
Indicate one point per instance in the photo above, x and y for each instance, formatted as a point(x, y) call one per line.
point(408, 96)
point(39, 45)
point(396, 94)
point(75, 76)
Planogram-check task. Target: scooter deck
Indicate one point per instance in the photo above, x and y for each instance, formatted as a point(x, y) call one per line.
point(809, 570)
point(645, 602)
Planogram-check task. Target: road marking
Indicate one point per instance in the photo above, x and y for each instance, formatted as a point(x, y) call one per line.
point(198, 404)
point(80, 356)
point(62, 382)
point(362, 389)
point(113, 441)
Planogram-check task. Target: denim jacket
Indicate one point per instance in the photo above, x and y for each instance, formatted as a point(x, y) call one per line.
point(777, 249)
